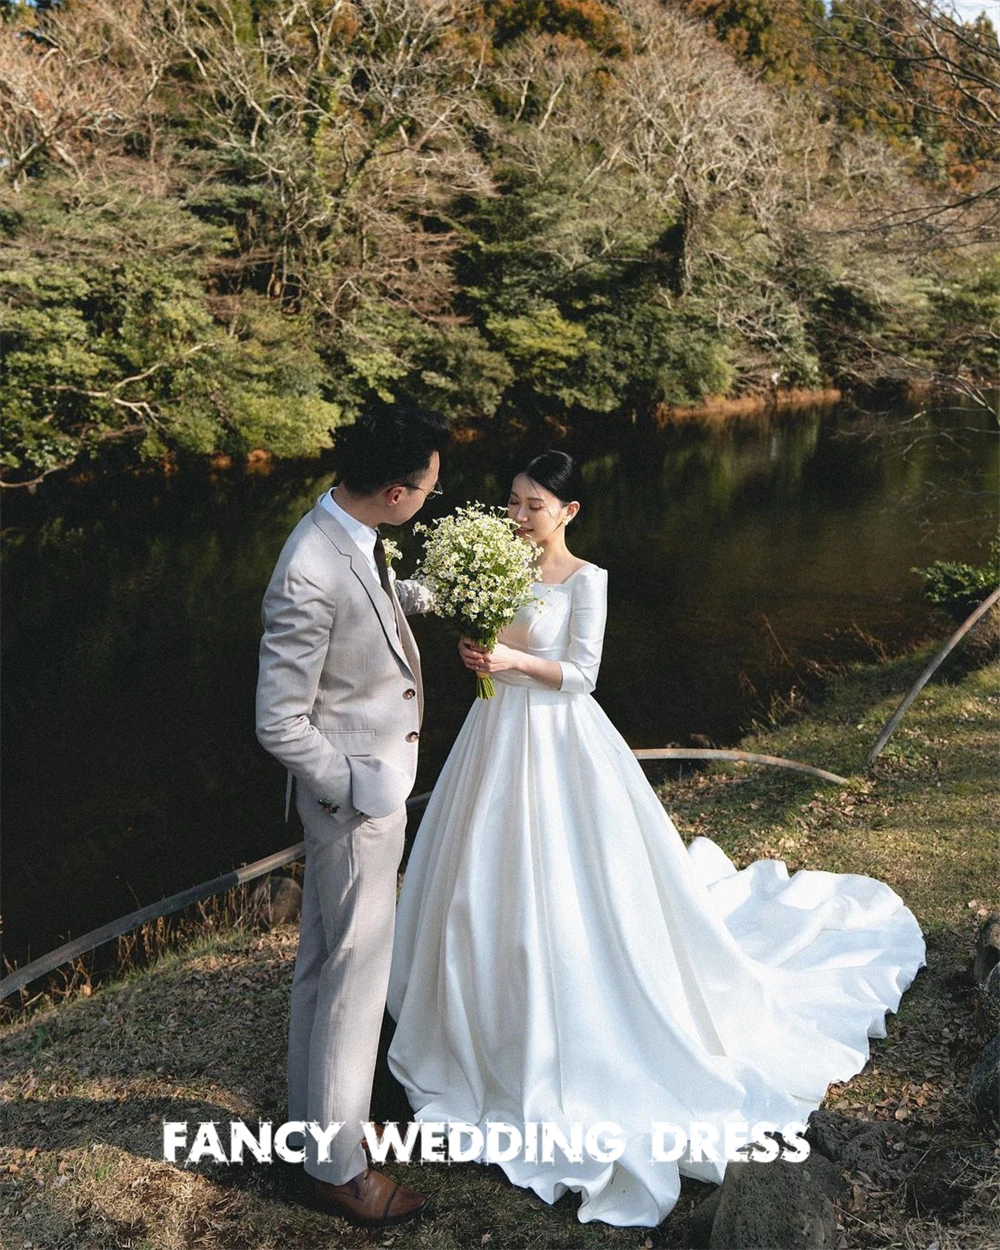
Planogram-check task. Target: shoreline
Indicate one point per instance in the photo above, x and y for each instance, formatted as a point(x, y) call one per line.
point(260, 461)
point(791, 400)
point(125, 527)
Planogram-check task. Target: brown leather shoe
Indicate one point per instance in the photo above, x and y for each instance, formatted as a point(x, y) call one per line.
point(370, 1199)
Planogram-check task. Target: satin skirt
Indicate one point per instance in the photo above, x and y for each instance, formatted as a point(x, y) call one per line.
point(561, 956)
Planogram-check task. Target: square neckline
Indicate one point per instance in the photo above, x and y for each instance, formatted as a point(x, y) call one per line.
point(565, 582)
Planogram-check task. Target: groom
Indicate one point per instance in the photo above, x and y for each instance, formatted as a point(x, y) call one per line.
point(339, 703)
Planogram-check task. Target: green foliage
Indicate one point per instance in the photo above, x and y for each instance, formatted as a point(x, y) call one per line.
point(129, 351)
point(270, 384)
point(94, 354)
point(967, 307)
point(960, 588)
point(545, 350)
point(588, 21)
point(651, 352)
point(772, 36)
point(459, 373)
point(582, 329)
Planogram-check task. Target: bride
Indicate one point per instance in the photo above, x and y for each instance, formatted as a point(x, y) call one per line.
point(562, 958)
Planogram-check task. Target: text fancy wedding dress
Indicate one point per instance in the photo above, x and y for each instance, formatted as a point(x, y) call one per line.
point(562, 956)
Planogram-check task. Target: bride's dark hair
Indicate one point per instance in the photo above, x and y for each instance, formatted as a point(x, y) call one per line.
point(558, 473)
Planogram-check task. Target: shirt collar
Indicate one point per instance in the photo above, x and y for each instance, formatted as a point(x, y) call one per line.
point(363, 535)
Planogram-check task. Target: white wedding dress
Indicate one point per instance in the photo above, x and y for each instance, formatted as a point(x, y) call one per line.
point(561, 956)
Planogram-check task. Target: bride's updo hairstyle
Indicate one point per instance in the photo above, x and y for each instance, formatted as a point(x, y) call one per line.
point(558, 473)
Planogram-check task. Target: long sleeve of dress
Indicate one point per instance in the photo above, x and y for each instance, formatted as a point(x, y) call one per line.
point(588, 617)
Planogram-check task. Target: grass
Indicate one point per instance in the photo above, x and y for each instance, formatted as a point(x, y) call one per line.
point(200, 1034)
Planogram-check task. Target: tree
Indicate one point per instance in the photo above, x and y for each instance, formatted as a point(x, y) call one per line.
point(234, 223)
point(775, 37)
point(910, 70)
point(75, 82)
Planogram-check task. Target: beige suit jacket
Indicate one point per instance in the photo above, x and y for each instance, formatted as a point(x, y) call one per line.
point(339, 693)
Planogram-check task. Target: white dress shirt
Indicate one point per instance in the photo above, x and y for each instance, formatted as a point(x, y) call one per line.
point(362, 535)
point(413, 596)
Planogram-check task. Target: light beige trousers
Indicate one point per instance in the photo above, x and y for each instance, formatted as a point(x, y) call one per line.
point(341, 975)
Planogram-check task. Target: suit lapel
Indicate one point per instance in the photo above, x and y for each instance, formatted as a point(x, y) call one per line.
point(386, 609)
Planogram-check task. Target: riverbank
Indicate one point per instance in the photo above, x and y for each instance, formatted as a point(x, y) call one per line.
point(468, 429)
point(200, 1035)
point(750, 405)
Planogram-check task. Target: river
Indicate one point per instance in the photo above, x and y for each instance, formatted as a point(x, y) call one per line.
point(742, 554)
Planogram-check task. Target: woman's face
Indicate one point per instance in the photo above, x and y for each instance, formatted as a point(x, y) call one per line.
point(538, 513)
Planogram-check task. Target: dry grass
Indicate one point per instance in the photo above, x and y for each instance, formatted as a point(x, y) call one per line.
point(233, 909)
point(201, 1034)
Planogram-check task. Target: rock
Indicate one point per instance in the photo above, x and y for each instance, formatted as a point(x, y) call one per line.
point(933, 1186)
point(987, 1008)
point(277, 900)
point(699, 1230)
point(987, 956)
point(857, 1145)
point(984, 1085)
point(778, 1206)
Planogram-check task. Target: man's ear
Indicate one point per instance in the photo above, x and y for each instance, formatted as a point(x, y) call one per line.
point(393, 495)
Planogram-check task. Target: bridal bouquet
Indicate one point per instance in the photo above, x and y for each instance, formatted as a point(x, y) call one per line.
point(479, 573)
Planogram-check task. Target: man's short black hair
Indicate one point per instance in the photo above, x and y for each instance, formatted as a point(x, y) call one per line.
point(388, 445)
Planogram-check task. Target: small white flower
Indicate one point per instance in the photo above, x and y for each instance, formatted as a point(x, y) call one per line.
point(477, 569)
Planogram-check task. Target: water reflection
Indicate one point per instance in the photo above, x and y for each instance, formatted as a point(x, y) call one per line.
point(739, 552)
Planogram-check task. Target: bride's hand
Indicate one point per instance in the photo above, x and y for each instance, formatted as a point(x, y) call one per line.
point(479, 660)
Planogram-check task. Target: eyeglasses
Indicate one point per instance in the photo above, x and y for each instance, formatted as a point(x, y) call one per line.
point(433, 493)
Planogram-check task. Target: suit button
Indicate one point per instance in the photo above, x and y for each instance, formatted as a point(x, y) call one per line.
point(412, 737)
point(409, 694)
